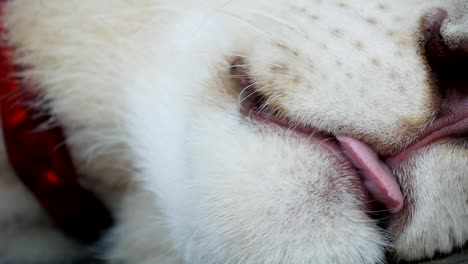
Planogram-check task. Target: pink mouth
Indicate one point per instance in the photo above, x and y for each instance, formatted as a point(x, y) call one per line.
point(375, 174)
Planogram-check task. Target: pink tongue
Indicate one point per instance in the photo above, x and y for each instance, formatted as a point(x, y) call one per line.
point(377, 177)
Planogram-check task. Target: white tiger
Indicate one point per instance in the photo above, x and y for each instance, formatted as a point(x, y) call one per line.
point(242, 131)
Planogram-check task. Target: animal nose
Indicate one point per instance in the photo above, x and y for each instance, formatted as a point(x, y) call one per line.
point(446, 50)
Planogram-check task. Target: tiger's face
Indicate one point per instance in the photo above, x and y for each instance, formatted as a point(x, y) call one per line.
point(282, 131)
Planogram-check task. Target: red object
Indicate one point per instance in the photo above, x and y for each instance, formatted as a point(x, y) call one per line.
point(40, 158)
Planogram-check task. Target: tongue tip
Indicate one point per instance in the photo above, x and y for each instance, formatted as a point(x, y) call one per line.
point(391, 197)
point(396, 204)
point(397, 209)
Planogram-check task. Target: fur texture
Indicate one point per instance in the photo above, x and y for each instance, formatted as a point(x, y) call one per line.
point(144, 91)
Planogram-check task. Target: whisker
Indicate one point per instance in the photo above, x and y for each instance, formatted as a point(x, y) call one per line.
point(267, 103)
point(255, 28)
point(278, 21)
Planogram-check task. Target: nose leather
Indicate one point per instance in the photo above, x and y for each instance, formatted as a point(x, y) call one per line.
point(448, 62)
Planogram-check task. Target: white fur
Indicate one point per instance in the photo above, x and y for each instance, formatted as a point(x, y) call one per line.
point(142, 88)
